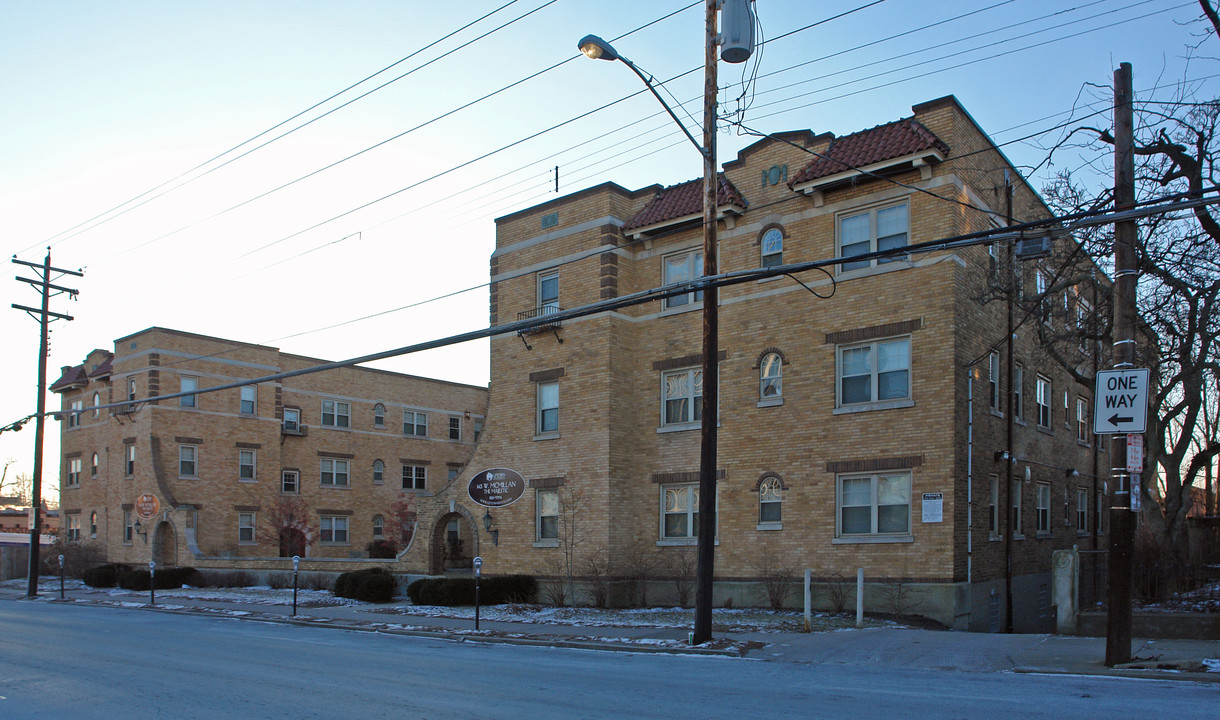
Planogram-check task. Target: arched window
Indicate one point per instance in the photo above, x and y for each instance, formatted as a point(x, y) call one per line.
point(93, 524)
point(93, 466)
point(97, 400)
point(378, 526)
point(770, 500)
point(379, 415)
point(770, 377)
point(378, 472)
point(772, 244)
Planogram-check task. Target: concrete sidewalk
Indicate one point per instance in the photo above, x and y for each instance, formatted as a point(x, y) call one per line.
point(886, 647)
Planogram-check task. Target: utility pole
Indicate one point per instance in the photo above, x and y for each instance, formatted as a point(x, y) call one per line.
point(705, 559)
point(1014, 289)
point(47, 289)
point(1122, 519)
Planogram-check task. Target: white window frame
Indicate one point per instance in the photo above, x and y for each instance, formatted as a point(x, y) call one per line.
point(1015, 517)
point(692, 379)
point(247, 397)
point(93, 524)
point(548, 299)
point(339, 415)
point(993, 381)
point(771, 247)
point(378, 472)
point(686, 266)
point(379, 415)
point(129, 527)
point(131, 389)
point(245, 528)
point(129, 459)
point(993, 505)
point(188, 384)
point(770, 501)
point(378, 527)
point(93, 465)
point(683, 493)
point(334, 529)
point(75, 408)
point(1043, 396)
point(1042, 506)
point(74, 468)
point(874, 505)
point(295, 482)
point(771, 378)
point(414, 477)
point(455, 428)
point(247, 458)
point(1082, 510)
point(188, 460)
point(1018, 392)
point(873, 241)
point(335, 472)
point(546, 508)
point(874, 374)
point(73, 530)
point(546, 421)
point(1082, 421)
point(293, 424)
point(412, 425)
point(97, 400)
point(1042, 284)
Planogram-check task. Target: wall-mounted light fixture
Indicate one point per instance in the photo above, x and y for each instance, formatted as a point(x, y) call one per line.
point(495, 534)
point(1001, 455)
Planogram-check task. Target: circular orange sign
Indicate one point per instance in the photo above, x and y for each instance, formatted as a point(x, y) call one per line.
point(147, 505)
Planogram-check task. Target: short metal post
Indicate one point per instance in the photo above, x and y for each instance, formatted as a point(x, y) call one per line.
point(296, 563)
point(61, 577)
point(478, 571)
point(860, 597)
point(152, 582)
point(808, 600)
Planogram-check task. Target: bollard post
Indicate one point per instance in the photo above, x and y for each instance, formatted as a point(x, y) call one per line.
point(296, 563)
point(61, 577)
point(152, 583)
point(808, 599)
point(860, 597)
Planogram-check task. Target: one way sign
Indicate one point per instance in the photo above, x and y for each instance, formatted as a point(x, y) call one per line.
point(1120, 402)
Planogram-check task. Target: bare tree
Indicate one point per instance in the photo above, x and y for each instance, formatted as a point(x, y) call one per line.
point(288, 527)
point(402, 521)
point(683, 567)
point(777, 574)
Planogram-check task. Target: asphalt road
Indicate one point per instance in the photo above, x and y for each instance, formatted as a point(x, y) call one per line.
point(60, 661)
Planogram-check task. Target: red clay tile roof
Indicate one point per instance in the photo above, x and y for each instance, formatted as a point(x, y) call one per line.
point(682, 200)
point(72, 376)
point(884, 142)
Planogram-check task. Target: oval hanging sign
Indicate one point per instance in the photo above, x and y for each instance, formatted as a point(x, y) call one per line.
point(497, 487)
point(147, 505)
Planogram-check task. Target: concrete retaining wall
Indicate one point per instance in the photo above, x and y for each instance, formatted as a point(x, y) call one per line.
point(1163, 626)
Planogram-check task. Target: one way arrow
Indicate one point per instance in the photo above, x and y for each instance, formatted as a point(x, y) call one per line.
point(1115, 420)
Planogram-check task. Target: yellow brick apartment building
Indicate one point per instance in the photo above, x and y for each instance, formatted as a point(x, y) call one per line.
point(343, 445)
point(864, 411)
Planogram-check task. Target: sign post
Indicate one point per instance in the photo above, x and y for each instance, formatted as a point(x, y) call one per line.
point(478, 571)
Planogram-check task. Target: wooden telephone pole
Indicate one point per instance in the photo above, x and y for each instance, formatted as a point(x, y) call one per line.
point(44, 316)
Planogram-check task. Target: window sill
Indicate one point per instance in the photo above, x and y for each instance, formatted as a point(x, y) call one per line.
point(335, 487)
point(546, 544)
point(868, 407)
point(1046, 430)
point(871, 539)
point(1082, 533)
point(418, 492)
point(248, 482)
point(1041, 535)
point(679, 427)
point(770, 526)
point(1083, 443)
point(1020, 421)
point(680, 309)
point(773, 278)
point(247, 544)
point(994, 412)
point(323, 543)
point(1018, 536)
point(681, 542)
point(770, 402)
point(551, 435)
point(185, 477)
point(994, 537)
point(873, 270)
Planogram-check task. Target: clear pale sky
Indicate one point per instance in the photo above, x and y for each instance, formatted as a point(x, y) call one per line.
point(101, 102)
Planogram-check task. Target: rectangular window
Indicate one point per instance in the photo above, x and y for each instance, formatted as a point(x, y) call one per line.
point(548, 514)
point(875, 230)
point(336, 413)
point(680, 511)
point(1044, 402)
point(1016, 509)
point(548, 407)
point(415, 423)
point(246, 465)
point(74, 411)
point(1082, 420)
point(292, 421)
point(1082, 510)
point(249, 396)
point(455, 427)
point(290, 482)
point(73, 526)
point(129, 526)
point(74, 465)
point(334, 529)
point(245, 528)
point(335, 472)
point(1043, 504)
point(129, 459)
point(188, 385)
point(1067, 415)
point(682, 268)
point(875, 372)
point(993, 505)
point(548, 292)
point(1018, 391)
point(188, 460)
point(478, 428)
point(131, 389)
point(681, 396)
point(875, 504)
point(1043, 280)
point(414, 477)
point(993, 381)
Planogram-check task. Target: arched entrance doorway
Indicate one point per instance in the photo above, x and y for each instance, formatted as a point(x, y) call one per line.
point(454, 543)
point(165, 545)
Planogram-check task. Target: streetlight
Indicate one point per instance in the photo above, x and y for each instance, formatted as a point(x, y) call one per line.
point(739, 23)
